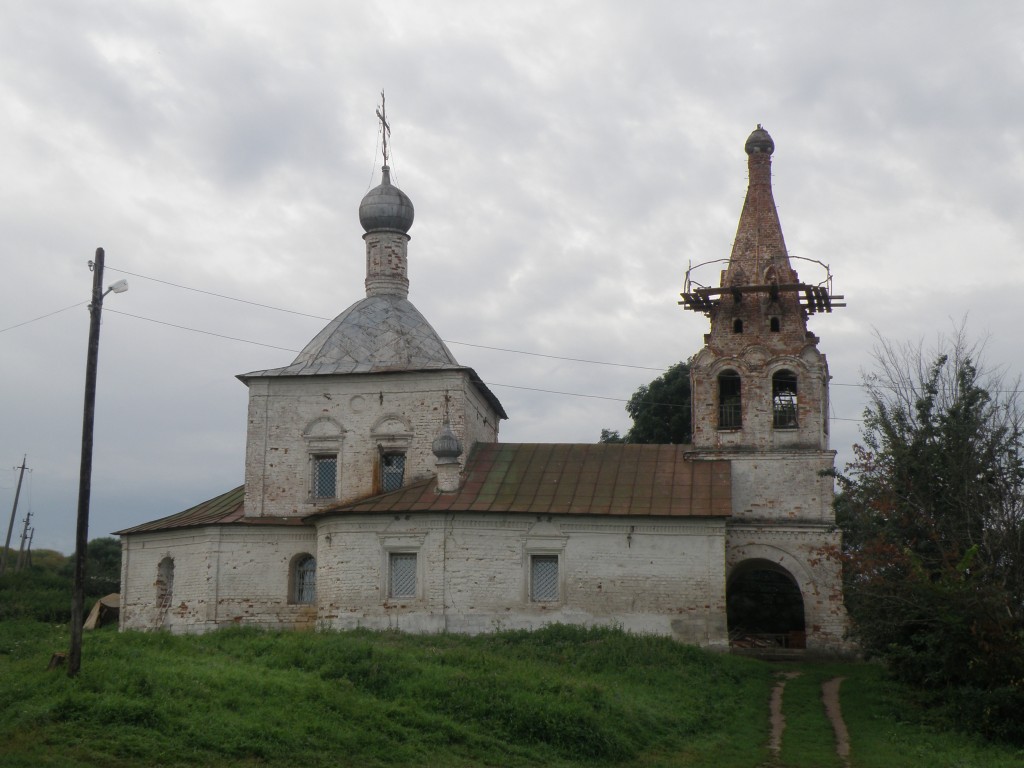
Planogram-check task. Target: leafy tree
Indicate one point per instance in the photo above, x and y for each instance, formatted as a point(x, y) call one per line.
point(660, 411)
point(932, 510)
point(102, 567)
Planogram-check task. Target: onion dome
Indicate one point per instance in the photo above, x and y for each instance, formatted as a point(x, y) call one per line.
point(386, 208)
point(446, 446)
point(759, 142)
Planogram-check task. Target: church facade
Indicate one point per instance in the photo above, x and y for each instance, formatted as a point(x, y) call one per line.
point(377, 493)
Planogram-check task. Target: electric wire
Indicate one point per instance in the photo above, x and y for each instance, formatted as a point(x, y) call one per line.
point(323, 318)
point(197, 330)
point(487, 383)
point(43, 317)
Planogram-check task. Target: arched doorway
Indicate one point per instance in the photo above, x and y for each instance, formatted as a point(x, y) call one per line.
point(764, 607)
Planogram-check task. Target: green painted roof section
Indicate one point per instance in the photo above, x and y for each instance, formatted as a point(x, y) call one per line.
point(220, 510)
point(527, 478)
point(573, 479)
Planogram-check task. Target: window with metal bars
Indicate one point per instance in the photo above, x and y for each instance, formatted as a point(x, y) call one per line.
point(325, 476)
point(730, 403)
point(392, 471)
point(784, 400)
point(544, 578)
point(402, 574)
point(304, 580)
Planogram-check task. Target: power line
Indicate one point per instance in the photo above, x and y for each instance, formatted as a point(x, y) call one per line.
point(217, 295)
point(197, 330)
point(43, 317)
point(321, 317)
point(288, 349)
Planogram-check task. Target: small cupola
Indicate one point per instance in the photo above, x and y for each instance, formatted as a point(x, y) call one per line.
point(386, 208)
point(386, 215)
point(759, 142)
point(447, 449)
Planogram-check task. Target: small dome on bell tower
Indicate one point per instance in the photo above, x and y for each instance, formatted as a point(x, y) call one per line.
point(759, 142)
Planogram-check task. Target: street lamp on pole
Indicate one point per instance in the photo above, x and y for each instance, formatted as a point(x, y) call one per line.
point(85, 473)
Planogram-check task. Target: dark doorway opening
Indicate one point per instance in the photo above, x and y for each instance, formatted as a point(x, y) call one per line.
point(765, 608)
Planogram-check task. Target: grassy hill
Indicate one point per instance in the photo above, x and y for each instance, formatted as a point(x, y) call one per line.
point(563, 696)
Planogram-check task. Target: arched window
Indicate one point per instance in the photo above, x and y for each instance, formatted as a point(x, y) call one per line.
point(303, 578)
point(784, 400)
point(737, 325)
point(730, 404)
point(774, 325)
point(164, 582)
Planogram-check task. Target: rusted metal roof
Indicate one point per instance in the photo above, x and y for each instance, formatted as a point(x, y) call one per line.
point(527, 478)
point(220, 510)
point(574, 479)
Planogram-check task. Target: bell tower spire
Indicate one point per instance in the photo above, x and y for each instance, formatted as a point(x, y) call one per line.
point(762, 381)
point(759, 394)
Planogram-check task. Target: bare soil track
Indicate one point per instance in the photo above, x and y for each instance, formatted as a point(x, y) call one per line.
point(830, 700)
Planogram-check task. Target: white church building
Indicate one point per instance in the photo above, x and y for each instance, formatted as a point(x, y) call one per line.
point(377, 493)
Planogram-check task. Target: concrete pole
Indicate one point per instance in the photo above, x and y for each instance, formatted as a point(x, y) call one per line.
point(24, 538)
point(14, 512)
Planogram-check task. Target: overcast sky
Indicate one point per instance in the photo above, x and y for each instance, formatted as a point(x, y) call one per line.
point(567, 160)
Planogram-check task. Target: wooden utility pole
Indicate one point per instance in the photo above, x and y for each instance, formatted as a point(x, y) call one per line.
point(24, 538)
point(28, 548)
point(85, 473)
point(14, 512)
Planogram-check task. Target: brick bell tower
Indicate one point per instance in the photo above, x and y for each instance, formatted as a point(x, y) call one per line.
point(760, 399)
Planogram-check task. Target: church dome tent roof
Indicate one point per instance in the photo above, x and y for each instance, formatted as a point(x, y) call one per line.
point(376, 334)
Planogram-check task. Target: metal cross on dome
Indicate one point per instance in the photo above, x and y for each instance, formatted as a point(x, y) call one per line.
point(385, 128)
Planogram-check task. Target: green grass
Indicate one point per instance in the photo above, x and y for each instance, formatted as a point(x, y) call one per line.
point(562, 696)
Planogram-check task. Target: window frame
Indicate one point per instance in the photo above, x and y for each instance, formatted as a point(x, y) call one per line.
point(315, 459)
point(393, 556)
point(785, 399)
point(298, 589)
point(536, 558)
point(545, 541)
point(383, 470)
point(730, 412)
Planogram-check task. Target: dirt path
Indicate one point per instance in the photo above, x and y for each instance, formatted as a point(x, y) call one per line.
point(777, 718)
point(830, 697)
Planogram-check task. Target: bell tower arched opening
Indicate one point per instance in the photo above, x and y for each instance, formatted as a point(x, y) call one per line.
point(765, 607)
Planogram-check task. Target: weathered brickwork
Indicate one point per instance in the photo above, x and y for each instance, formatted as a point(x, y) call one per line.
point(760, 400)
point(473, 575)
point(355, 417)
point(756, 366)
point(379, 381)
point(806, 553)
point(222, 575)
